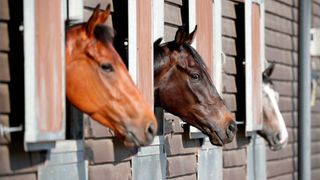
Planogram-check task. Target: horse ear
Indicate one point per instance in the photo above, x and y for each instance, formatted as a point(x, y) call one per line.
point(180, 35)
point(183, 37)
point(157, 42)
point(105, 14)
point(269, 70)
point(97, 18)
point(191, 36)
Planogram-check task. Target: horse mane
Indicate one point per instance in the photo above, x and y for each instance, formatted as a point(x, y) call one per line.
point(266, 79)
point(158, 56)
point(104, 33)
point(195, 56)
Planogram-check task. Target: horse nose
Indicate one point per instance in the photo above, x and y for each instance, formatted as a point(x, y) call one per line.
point(150, 131)
point(277, 138)
point(232, 129)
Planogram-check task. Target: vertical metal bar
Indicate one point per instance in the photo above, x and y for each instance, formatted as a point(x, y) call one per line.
point(304, 86)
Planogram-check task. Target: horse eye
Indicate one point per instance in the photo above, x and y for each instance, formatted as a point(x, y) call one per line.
point(107, 67)
point(195, 76)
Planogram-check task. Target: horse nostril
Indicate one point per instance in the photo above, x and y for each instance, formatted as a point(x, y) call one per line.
point(232, 127)
point(277, 138)
point(151, 129)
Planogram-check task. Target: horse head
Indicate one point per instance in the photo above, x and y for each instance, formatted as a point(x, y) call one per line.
point(274, 128)
point(184, 88)
point(98, 82)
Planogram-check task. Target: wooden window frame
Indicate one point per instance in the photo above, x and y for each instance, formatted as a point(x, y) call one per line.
point(35, 138)
point(251, 124)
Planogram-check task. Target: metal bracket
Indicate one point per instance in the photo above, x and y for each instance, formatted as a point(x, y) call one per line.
point(7, 130)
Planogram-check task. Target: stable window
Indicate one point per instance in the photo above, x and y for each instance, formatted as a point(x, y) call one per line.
point(44, 73)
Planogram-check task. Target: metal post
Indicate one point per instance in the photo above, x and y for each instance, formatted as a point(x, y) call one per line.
point(304, 109)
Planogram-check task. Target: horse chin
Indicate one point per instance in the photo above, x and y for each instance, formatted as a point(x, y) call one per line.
point(216, 141)
point(128, 143)
point(278, 146)
point(219, 139)
point(214, 136)
point(130, 140)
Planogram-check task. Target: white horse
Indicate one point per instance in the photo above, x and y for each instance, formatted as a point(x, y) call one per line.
point(274, 128)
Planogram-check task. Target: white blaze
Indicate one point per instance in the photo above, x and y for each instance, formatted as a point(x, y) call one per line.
point(282, 126)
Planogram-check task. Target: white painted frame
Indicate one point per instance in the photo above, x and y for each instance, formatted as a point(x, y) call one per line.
point(248, 59)
point(75, 9)
point(132, 40)
point(192, 19)
point(32, 133)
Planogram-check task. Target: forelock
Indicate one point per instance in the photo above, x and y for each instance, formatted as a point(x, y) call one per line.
point(104, 33)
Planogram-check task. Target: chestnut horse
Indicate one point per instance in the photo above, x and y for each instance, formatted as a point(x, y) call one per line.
point(183, 87)
point(99, 84)
point(274, 128)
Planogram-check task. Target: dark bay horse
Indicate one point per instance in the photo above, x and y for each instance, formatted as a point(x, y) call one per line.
point(274, 128)
point(183, 87)
point(99, 84)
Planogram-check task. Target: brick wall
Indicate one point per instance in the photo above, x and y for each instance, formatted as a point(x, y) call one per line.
point(14, 162)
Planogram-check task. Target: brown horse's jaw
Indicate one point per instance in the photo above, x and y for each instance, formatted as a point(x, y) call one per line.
point(131, 140)
point(216, 140)
point(213, 135)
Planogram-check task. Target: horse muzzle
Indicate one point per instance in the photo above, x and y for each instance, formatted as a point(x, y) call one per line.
point(136, 137)
point(220, 137)
point(277, 142)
